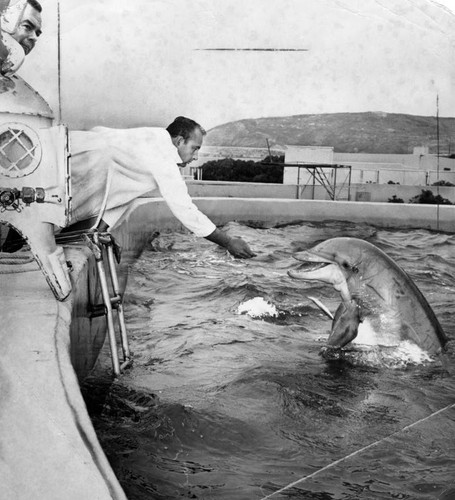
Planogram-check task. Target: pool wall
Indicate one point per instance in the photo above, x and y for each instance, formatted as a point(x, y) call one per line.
point(358, 192)
point(276, 211)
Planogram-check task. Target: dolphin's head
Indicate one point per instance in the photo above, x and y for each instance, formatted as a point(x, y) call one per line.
point(336, 262)
point(339, 263)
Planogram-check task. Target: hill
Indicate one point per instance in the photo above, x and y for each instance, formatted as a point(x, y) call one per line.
point(370, 132)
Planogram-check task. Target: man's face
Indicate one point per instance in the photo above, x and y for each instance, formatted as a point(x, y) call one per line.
point(188, 150)
point(28, 29)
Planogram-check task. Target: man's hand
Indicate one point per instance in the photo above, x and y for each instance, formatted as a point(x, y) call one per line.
point(239, 248)
point(235, 246)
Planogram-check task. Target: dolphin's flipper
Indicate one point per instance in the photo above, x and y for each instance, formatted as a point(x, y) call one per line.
point(345, 325)
point(322, 307)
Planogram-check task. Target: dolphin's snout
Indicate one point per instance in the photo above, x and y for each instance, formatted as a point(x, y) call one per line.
point(305, 269)
point(318, 271)
point(309, 256)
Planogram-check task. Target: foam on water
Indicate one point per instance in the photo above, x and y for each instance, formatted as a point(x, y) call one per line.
point(365, 350)
point(405, 350)
point(412, 353)
point(402, 356)
point(258, 307)
point(391, 355)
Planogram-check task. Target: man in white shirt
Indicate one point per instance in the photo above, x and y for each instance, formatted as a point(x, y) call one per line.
point(110, 168)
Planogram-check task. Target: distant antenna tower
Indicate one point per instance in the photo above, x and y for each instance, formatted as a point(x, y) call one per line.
point(437, 156)
point(270, 154)
point(59, 90)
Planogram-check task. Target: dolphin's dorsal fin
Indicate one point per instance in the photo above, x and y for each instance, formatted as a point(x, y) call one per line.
point(322, 307)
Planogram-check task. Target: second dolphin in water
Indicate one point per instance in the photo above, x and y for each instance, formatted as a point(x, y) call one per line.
point(373, 289)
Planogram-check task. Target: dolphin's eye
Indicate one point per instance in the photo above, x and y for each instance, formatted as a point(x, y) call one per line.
point(345, 265)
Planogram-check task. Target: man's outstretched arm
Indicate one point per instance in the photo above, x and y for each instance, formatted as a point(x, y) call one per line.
point(235, 246)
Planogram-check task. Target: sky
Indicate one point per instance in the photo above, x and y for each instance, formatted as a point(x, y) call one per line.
point(141, 62)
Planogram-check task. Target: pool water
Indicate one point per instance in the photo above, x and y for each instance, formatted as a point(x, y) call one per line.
point(230, 398)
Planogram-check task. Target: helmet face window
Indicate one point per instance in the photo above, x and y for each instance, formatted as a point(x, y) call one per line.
point(20, 150)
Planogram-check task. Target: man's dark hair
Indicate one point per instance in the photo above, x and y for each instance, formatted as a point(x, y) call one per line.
point(35, 4)
point(184, 127)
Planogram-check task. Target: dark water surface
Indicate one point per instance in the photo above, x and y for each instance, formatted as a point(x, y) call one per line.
point(222, 405)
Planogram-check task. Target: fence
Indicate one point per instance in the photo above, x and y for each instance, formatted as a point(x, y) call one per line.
point(406, 177)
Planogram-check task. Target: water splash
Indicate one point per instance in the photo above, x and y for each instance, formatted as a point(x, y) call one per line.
point(258, 308)
point(401, 356)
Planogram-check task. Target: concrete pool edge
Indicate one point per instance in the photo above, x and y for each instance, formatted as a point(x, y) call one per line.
point(276, 211)
point(51, 448)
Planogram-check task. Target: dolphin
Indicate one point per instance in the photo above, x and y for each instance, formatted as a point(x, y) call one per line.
point(374, 290)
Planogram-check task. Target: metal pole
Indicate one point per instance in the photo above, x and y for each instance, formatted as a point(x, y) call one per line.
point(437, 136)
point(119, 304)
point(314, 182)
point(270, 154)
point(59, 89)
point(109, 317)
point(298, 184)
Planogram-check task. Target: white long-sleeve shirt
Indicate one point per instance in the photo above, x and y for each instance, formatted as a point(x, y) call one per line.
point(113, 167)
